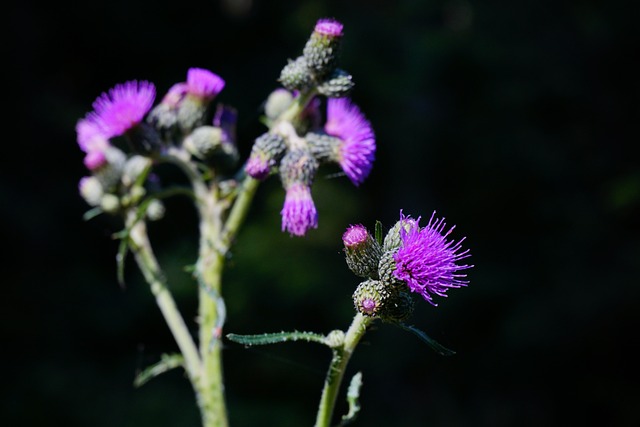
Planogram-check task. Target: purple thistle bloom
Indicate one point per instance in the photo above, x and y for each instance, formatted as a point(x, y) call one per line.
point(299, 212)
point(123, 107)
point(329, 27)
point(203, 83)
point(90, 135)
point(427, 262)
point(355, 235)
point(357, 150)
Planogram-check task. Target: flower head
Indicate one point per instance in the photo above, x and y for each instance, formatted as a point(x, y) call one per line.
point(299, 212)
point(362, 251)
point(329, 27)
point(123, 107)
point(95, 159)
point(357, 151)
point(90, 135)
point(427, 262)
point(203, 83)
point(175, 94)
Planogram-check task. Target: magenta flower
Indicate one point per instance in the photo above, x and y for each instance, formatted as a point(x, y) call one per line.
point(90, 135)
point(329, 27)
point(175, 95)
point(123, 107)
point(203, 83)
point(427, 262)
point(355, 236)
point(299, 212)
point(357, 151)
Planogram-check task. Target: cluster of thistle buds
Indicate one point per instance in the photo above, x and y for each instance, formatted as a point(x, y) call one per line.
point(410, 259)
point(296, 146)
point(119, 177)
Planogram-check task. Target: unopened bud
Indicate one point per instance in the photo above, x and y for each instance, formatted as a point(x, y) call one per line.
point(298, 166)
point(133, 168)
point(91, 190)
point(321, 50)
point(392, 240)
point(155, 210)
point(337, 85)
point(370, 298)
point(277, 102)
point(111, 172)
point(266, 152)
point(296, 75)
point(110, 203)
point(325, 148)
point(398, 308)
point(204, 141)
point(362, 252)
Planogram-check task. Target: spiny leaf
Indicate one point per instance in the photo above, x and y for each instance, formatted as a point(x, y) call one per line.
point(439, 348)
point(166, 363)
point(353, 396)
point(278, 337)
point(378, 233)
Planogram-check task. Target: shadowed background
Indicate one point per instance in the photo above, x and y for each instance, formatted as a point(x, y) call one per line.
point(512, 120)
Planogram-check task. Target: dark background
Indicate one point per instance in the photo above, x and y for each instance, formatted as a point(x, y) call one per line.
point(515, 120)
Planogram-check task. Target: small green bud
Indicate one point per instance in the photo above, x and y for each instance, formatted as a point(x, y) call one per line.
point(338, 84)
point(191, 113)
point(392, 240)
point(362, 252)
point(110, 203)
point(91, 190)
point(325, 148)
point(277, 102)
point(296, 75)
point(298, 166)
point(155, 210)
point(335, 338)
point(386, 267)
point(370, 297)
point(398, 308)
point(110, 174)
point(133, 168)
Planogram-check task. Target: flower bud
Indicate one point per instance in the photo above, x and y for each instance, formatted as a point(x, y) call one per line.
point(298, 166)
point(321, 50)
point(110, 203)
point(110, 173)
point(144, 139)
point(296, 75)
point(155, 210)
point(325, 148)
point(337, 85)
point(204, 141)
point(362, 252)
point(393, 239)
point(265, 154)
point(370, 298)
point(133, 168)
point(277, 102)
point(398, 308)
point(91, 190)
point(386, 267)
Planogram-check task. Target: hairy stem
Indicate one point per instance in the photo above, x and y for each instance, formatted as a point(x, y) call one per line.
point(337, 368)
point(148, 264)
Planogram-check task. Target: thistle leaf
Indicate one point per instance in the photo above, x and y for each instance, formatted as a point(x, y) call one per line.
point(353, 396)
point(166, 363)
point(435, 345)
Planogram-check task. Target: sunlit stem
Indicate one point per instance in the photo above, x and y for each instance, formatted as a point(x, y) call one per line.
point(337, 368)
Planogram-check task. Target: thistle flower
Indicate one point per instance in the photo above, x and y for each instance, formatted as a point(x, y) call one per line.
point(299, 212)
point(203, 83)
point(427, 262)
point(95, 159)
point(123, 107)
point(356, 153)
point(266, 152)
point(90, 135)
point(321, 50)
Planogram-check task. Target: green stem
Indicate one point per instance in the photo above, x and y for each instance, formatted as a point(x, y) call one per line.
point(337, 368)
point(148, 264)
